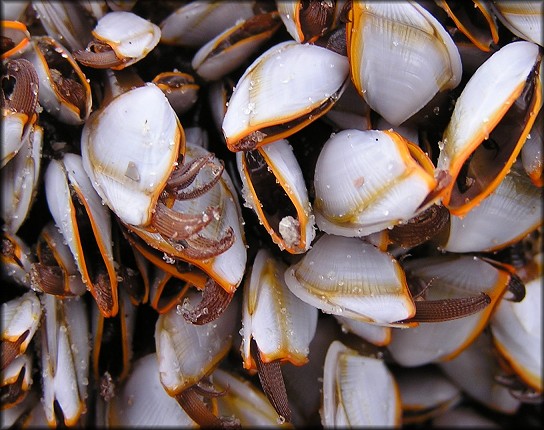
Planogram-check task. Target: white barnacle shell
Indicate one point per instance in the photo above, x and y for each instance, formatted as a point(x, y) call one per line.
point(141, 400)
point(449, 276)
point(19, 316)
point(198, 22)
point(187, 352)
point(129, 149)
point(517, 333)
point(425, 392)
point(289, 84)
point(243, 400)
point(228, 50)
point(475, 370)
point(130, 36)
point(400, 57)
point(523, 18)
point(508, 214)
point(65, 179)
point(65, 351)
point(368, 180)
point(227, 268)
point(56, 66)
point(280, 323)
point(358, 390)
point(19, 179)
point(345, 276)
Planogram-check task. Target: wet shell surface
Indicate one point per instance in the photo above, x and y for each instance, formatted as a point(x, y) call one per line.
point(345, 276)
point(366, 181)
point(141, 125)
point(281, 324)
point(130, 36)
point(273, 91)
point(400, 57)
point(449, 276)
point(358, 390)
point(517, 333)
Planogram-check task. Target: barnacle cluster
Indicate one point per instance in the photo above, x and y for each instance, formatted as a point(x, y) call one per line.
point(281, 213)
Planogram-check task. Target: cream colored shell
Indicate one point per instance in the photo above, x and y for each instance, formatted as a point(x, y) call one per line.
point(129, 149)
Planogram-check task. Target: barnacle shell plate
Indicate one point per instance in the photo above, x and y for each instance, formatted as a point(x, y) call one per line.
point(475, 369)
point(532, 153)
point(129, 149)
point(343, 275)
point(20, 315)
point(400, 57)
point(366, 181)
point(450, 276)
point(517, 333)
point(281, 324)
point(197, 22)
point(515, 203)
point(142, 401)
point(358, 390)
point(287, 82)
point(181, 365)
point(19, 179)
point(61, 178)
point(244, 401)
point(228, 50)
point(129, 35)
point(52, 239)
point(523, 18)
point(228, 267)
point(65, 358)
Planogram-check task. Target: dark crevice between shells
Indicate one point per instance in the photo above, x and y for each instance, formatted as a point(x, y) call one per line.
point(428, 311)
point(272, 382)
point(100, 286)
point(170, 290)
point(519, 389)
point(470, 20)
point(193, 404)
point(111, 350)
point(214, 302)
point(63, 76)
point(492, 155)
point(6, 44)
point(268, 194)
point(10, 350)
point(11, 394)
